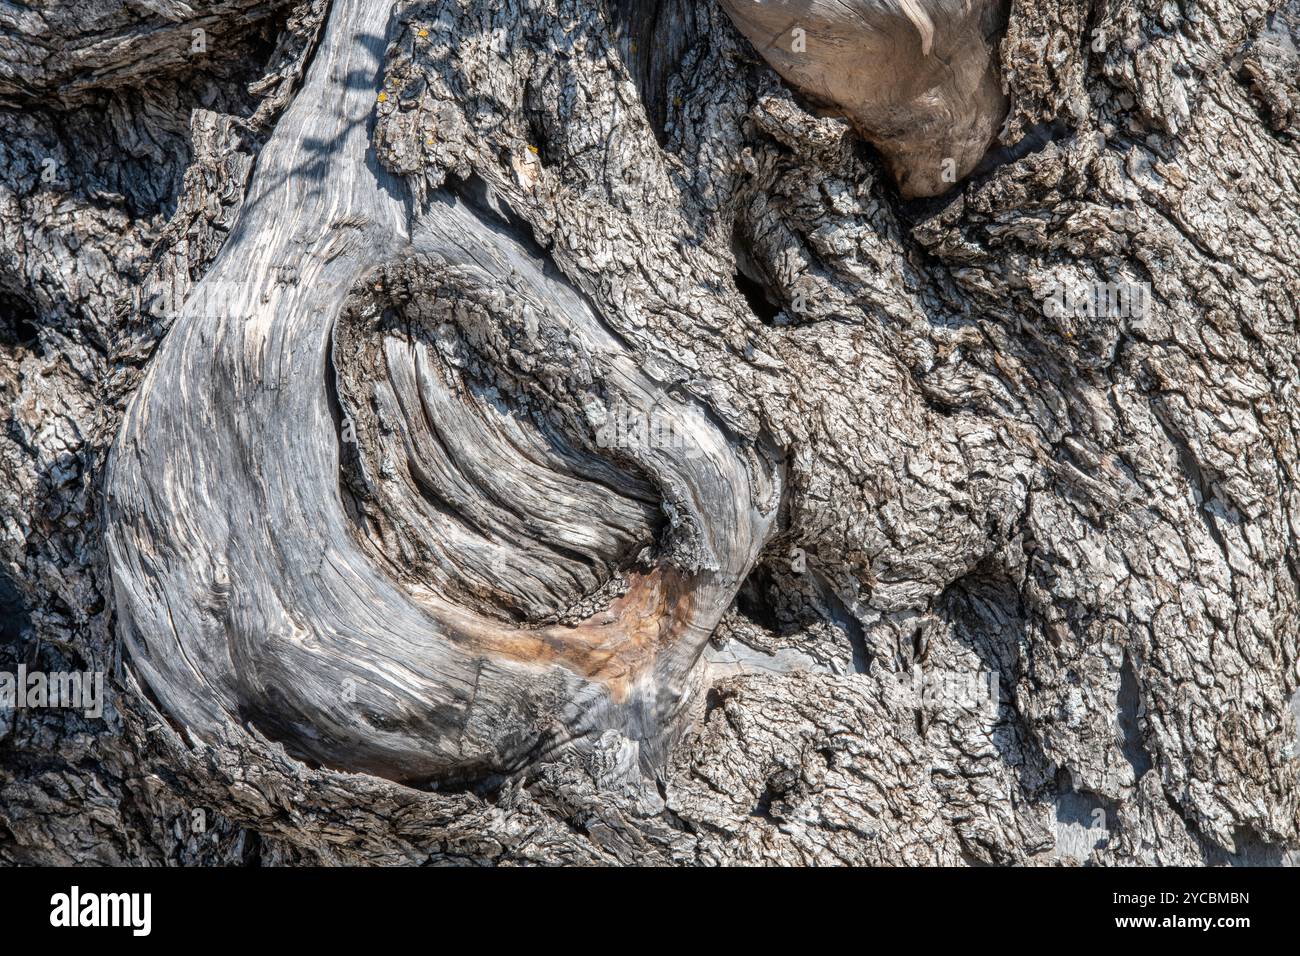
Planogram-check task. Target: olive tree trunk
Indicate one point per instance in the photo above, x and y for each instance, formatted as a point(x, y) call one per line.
point(651, 431)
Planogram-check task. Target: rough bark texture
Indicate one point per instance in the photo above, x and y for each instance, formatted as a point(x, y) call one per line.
point(317, 348)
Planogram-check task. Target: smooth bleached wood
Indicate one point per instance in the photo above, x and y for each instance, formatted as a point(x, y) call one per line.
point(918, 78)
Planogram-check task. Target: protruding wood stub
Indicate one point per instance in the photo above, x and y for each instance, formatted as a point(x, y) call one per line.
point(917, 78)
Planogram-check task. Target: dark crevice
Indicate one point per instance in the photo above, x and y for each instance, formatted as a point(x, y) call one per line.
point(765, 297)
point(851, 628)
point(653, 38)
point(19, 324)
point(252, 849)
point(753, 602)
point(760, 303)
point(14, 618)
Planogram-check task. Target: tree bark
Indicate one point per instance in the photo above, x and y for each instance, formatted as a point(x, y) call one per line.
point(564, 431)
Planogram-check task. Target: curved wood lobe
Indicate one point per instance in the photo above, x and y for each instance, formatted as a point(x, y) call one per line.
point(244, 589)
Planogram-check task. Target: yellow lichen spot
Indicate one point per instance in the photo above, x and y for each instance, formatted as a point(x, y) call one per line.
point(532, 149)
point(383, 97)
point(422, 34)
point(677, 101)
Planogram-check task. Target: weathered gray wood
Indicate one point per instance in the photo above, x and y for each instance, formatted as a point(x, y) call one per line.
point(55, 50)
point(264, 606)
